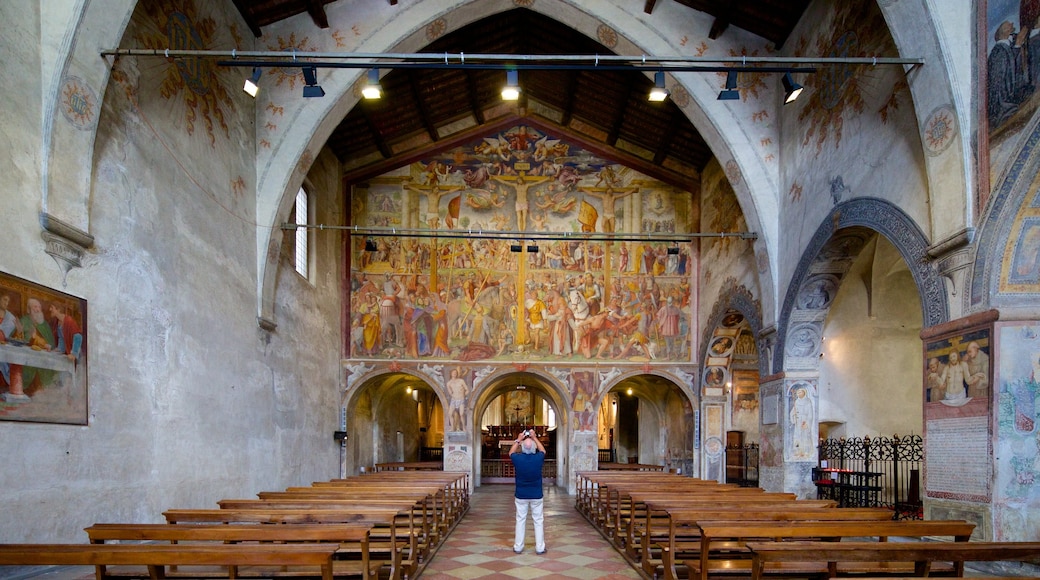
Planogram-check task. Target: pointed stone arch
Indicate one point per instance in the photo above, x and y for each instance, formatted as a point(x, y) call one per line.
point(827, 258)
point(754, 183)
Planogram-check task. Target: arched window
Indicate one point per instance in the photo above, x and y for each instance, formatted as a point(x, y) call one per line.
point(302, 260)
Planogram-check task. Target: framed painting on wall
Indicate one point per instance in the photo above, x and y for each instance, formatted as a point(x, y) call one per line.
point(43, 354)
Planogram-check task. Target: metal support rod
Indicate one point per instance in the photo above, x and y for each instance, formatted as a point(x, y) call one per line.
point(385, 232)
point(387, 59)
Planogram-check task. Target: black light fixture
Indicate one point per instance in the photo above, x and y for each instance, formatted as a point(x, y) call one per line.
point(511, 91)
point(791, 88)
point(250, 86)
point(673, 251)
point(532, 249)
point(659, 92)
point(730, 93)
point(372, 89)
point(516, 248)
point(370, 245)
point(310, 78)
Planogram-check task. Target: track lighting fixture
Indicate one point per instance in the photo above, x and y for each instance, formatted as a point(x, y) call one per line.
point(791, 88)
point(673, 251)
point(516, 248)
point(310, 78)
point(250, 86)
point(372, 89)
point(532, 249)
point(511, 91)
point(730, 93)
point(370, 245)
point(659, 92)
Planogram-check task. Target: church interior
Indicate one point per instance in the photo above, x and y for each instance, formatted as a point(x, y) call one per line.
point(821, 233)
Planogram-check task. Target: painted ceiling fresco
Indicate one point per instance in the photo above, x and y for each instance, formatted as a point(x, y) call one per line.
point(465, 296)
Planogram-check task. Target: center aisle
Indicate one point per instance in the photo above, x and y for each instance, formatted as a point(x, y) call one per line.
point(481, 546)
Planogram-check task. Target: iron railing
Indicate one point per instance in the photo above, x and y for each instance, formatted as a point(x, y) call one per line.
point(878, 471)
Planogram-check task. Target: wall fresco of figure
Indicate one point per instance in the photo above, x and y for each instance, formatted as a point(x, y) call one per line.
point(464, 296)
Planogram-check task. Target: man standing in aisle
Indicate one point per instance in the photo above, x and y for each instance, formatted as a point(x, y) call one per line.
point(528, 456)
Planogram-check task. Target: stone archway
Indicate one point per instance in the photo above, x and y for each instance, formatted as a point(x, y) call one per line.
point(489, 387)
point(786, 458)
point(730, 351)
point(376, 406)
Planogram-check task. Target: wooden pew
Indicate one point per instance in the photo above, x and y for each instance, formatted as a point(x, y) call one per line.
point(439, 514)
point(629, 521)
point(849, 557)
point(385, 517)
point(157, 558)
point(348, 538)
point(734, 534)
point(428, 520)
point(678, 536)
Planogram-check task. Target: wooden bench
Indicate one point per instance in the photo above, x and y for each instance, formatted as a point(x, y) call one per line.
point(428, 527)
point(350, 539)
point(677, 536)
point(848, 557)
point(223, 560)
point(733, 557)
point(384, 521)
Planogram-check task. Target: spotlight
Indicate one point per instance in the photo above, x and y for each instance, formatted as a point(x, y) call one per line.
point(370, 245)
point(659, 92)
point(310, 78)
point(372, 89)
point(731, 93)
point(791, 88)
point(516, 248)
point(673, 251)
point(250, 86)
point(511, 91)
point(532, 249)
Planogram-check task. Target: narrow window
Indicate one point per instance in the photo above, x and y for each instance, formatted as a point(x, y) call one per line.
point(302, 263)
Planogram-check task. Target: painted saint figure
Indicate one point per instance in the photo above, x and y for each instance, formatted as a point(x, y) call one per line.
point(802, 418)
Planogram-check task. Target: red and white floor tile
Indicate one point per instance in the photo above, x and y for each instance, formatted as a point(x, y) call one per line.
point(481, 546)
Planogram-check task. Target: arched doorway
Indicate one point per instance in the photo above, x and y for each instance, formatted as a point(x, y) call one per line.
point(391, 417)
point(646, 419)
point(510, 403)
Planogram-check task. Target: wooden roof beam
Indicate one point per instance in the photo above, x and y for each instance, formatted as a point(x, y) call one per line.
point(243, 9)
point(619, 117)
point(424, 111)
point(723, 12)
point(316, 8)
point(381, 144)
point(474, 103)
point(649, 6)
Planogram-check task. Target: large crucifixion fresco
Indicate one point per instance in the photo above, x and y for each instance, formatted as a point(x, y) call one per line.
point(464, 295)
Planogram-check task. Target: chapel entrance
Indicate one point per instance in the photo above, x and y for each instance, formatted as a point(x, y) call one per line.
point(514, 403)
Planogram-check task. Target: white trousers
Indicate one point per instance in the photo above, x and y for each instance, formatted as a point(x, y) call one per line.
point(535, 507)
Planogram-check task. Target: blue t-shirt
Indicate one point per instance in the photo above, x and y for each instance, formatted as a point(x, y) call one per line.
point(528, 474)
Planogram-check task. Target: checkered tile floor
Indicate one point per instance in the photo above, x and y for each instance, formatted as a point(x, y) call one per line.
point(481, 546)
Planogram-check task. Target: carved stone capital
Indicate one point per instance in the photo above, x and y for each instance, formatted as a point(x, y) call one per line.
point(65, 243)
